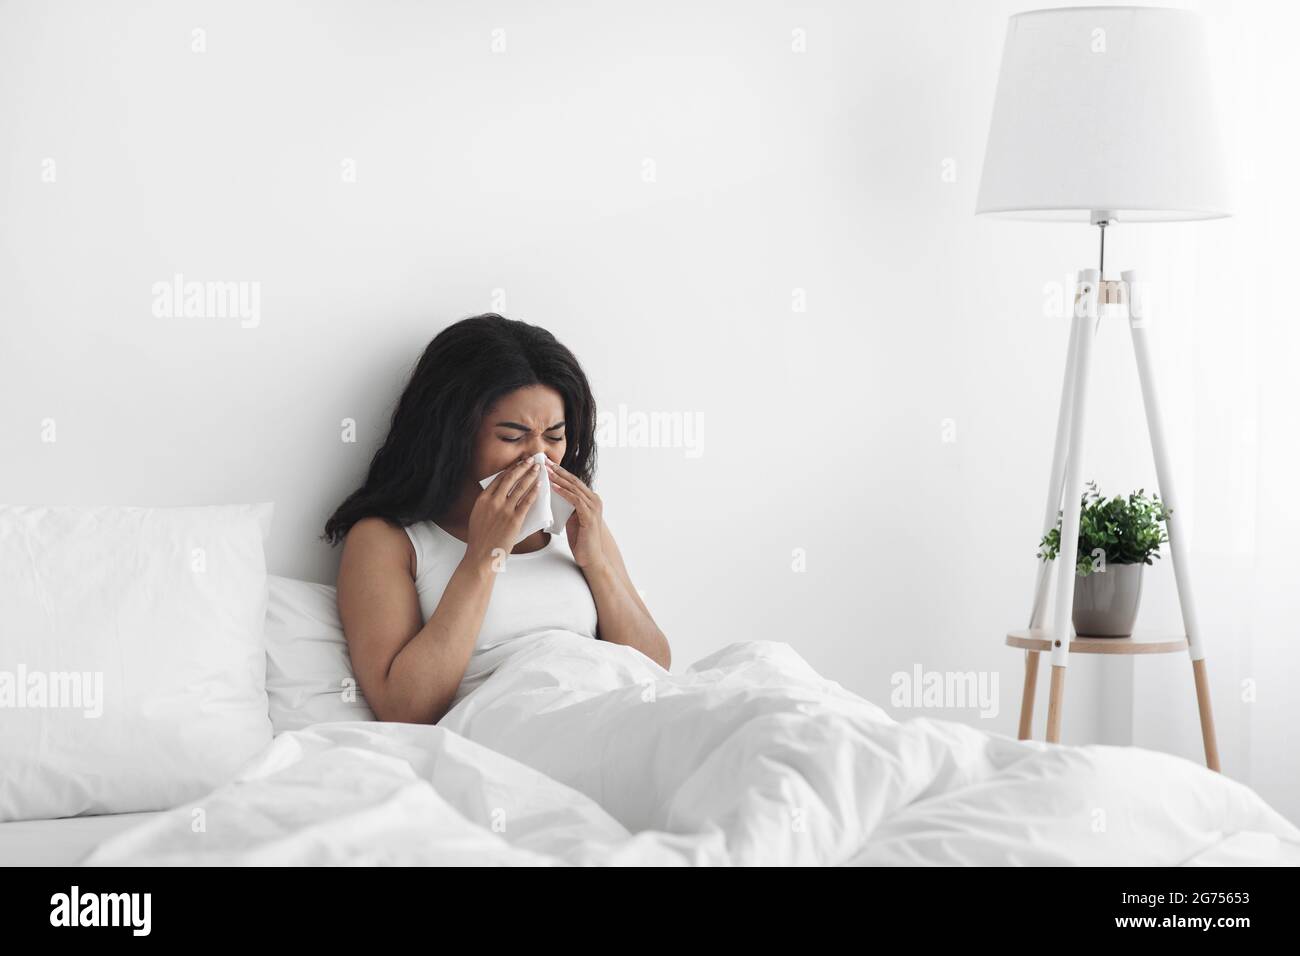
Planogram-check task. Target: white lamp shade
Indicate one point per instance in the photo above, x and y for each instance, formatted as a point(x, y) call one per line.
point(1108, 111)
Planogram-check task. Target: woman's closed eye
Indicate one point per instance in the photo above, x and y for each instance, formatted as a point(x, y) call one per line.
point(521, 438)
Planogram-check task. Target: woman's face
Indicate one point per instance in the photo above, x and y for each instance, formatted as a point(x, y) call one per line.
point(519, 425)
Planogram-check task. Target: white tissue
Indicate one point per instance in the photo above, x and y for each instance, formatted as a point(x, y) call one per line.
point(549, 511)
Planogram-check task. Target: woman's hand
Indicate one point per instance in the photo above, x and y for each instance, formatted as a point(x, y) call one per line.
point(585, 526)
point(499, 510)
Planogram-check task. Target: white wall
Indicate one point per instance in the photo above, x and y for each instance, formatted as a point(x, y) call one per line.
point(521, 175)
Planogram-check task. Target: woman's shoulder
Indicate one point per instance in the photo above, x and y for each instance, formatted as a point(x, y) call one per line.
point(379, 539)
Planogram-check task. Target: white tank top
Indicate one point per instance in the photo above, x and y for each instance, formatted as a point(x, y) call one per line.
point(541, 591)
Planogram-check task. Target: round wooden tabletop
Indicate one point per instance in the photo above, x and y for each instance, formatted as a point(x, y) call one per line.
point(1039, 640)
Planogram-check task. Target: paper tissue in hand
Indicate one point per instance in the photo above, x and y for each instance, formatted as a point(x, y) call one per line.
point(549, 512)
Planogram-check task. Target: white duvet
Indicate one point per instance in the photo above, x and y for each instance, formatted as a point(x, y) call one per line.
point(583, 752)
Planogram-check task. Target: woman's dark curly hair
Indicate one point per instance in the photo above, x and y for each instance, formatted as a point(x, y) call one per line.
point(418, 472)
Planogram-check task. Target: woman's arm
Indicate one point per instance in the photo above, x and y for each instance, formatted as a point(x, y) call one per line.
point(622, 615)
point(410, 672)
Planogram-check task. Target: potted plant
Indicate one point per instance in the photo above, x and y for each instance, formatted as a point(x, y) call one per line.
point(1116, 538)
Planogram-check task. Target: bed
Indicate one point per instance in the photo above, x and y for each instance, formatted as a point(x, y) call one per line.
point(577, 752)
point(62, 842)
point(246, 747)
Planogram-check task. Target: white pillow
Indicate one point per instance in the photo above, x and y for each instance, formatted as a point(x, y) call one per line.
point(144, 628)
point(308, 671)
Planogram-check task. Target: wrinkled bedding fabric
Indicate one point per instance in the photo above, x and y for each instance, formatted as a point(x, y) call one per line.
point(581, 752)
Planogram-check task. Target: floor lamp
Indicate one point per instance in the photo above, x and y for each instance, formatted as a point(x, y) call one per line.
point(1103, 115)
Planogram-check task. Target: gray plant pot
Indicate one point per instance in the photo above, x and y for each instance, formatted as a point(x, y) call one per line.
point(1106, 602)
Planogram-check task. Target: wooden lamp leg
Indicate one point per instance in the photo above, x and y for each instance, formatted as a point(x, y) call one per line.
point(1055, 488)
point(1027, 700)
point(1207, 715)
point(1055, 704)
point(1175, 526)
point(1085, 310)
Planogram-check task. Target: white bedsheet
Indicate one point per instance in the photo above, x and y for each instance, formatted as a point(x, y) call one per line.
point(62, 842)
point(582, 752)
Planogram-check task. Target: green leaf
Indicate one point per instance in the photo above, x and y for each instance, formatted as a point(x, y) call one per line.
point(1128, 529)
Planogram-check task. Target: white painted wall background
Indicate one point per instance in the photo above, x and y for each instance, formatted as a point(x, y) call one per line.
point(521, 173)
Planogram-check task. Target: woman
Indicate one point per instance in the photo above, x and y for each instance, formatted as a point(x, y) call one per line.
point(433, 591)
